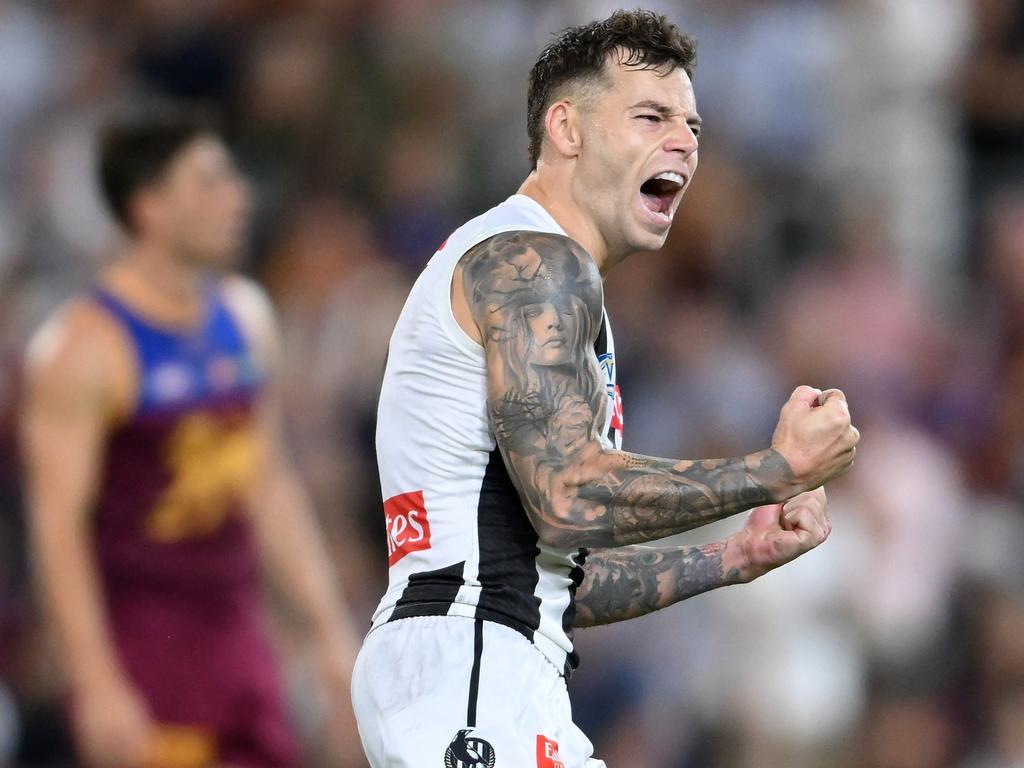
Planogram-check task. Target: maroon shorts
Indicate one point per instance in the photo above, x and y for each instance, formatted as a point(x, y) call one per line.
point(207, 668)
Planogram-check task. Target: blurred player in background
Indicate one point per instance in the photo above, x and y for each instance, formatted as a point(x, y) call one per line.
point(512, 513)
point(157, 477)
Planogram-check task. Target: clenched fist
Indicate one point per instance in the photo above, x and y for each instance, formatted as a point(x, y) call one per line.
point(815, 436)
point(777, 533)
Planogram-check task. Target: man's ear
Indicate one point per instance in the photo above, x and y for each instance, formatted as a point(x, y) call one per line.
point(563, 129)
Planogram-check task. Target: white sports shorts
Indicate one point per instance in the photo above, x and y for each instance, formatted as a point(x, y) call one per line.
point(455, 692)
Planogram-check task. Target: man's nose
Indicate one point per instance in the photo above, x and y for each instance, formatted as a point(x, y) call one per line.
point(682, 140)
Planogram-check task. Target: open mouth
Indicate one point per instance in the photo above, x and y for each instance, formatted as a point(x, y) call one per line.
point(659, 192)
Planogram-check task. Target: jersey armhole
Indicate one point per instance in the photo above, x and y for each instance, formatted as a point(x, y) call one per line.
point(125, 411)
point(456, 333)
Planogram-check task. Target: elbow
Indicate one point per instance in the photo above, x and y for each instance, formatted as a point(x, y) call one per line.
point(568, 509)
point(571, 526)
point(559, 537)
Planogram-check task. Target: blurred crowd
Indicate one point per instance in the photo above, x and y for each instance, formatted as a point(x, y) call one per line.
point(857, 221)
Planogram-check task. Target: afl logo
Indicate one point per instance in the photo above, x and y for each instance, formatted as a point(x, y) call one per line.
point(468, 752)
point(607, 363)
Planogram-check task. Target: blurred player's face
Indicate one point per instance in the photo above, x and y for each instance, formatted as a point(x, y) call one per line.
point(639, 154)
point(200, 208)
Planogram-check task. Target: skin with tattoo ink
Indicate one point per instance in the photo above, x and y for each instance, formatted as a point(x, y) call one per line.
point(537, 299)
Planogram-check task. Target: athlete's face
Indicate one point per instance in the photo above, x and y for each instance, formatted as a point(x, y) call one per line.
point(201, 205)
point(550, 333)
point(639, 154)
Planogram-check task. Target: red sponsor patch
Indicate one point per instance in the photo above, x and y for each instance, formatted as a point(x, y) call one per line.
point(405, 517)
point(547, 753)
point(617, 409)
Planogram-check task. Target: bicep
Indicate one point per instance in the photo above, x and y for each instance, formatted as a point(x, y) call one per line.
point(537, 299)
point(64, 418)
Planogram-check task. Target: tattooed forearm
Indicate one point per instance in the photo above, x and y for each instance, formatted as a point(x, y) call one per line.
point(654, 501)
point(624, 583)
point(538, 301)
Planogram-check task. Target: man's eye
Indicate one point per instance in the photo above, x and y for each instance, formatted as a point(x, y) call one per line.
point(696, 131)
point(651, 118)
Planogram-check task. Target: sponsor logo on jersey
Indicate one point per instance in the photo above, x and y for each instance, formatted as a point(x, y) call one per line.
point(223, 372)
point(615, 403)
point(467, 751)
point(171, 381)
point(547, 753)
point(210, 465)
point(405, 517)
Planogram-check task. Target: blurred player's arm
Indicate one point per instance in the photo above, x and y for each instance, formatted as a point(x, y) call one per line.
point(71, 394)
point(283, 517)
point(627, 582)
point(536, 299)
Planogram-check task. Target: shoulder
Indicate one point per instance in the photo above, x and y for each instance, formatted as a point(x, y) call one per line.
point(81, 348)
point(249, 304)
point(522, 267)
point(523, 254)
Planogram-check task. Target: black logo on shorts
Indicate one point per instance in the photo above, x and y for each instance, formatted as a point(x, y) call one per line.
point(468, 752)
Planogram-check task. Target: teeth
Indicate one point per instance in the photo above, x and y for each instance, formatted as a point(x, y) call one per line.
point(675, 178)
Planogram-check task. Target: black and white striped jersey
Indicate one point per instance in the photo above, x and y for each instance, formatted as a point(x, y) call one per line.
point(459, 541)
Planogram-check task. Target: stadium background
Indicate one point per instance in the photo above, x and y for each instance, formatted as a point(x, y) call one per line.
point(857, 221)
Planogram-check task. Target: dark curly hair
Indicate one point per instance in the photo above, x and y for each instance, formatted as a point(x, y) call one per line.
point(647, 39)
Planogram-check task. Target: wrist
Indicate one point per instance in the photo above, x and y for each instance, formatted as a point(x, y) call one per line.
point(775, 475)
point(737, 564)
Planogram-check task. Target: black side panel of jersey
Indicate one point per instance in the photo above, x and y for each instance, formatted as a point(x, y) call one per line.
point(569, 616)
point(508, 553)
point(601, 343)
point(429, 593)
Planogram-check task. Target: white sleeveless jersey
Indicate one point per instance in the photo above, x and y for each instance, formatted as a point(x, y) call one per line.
point(459, 541)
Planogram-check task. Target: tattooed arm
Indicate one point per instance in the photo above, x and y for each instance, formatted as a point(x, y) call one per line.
point(627, 582)
point(537, 299)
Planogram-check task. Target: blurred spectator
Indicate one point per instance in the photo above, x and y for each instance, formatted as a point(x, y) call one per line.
point(993, 95)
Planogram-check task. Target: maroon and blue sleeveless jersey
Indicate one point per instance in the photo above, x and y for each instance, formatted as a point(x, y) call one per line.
point(170, 513)
point(175, 549)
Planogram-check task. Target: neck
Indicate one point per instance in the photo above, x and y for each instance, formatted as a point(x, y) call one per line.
point(167, 274)
point(554, 193)
point(163, 281)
